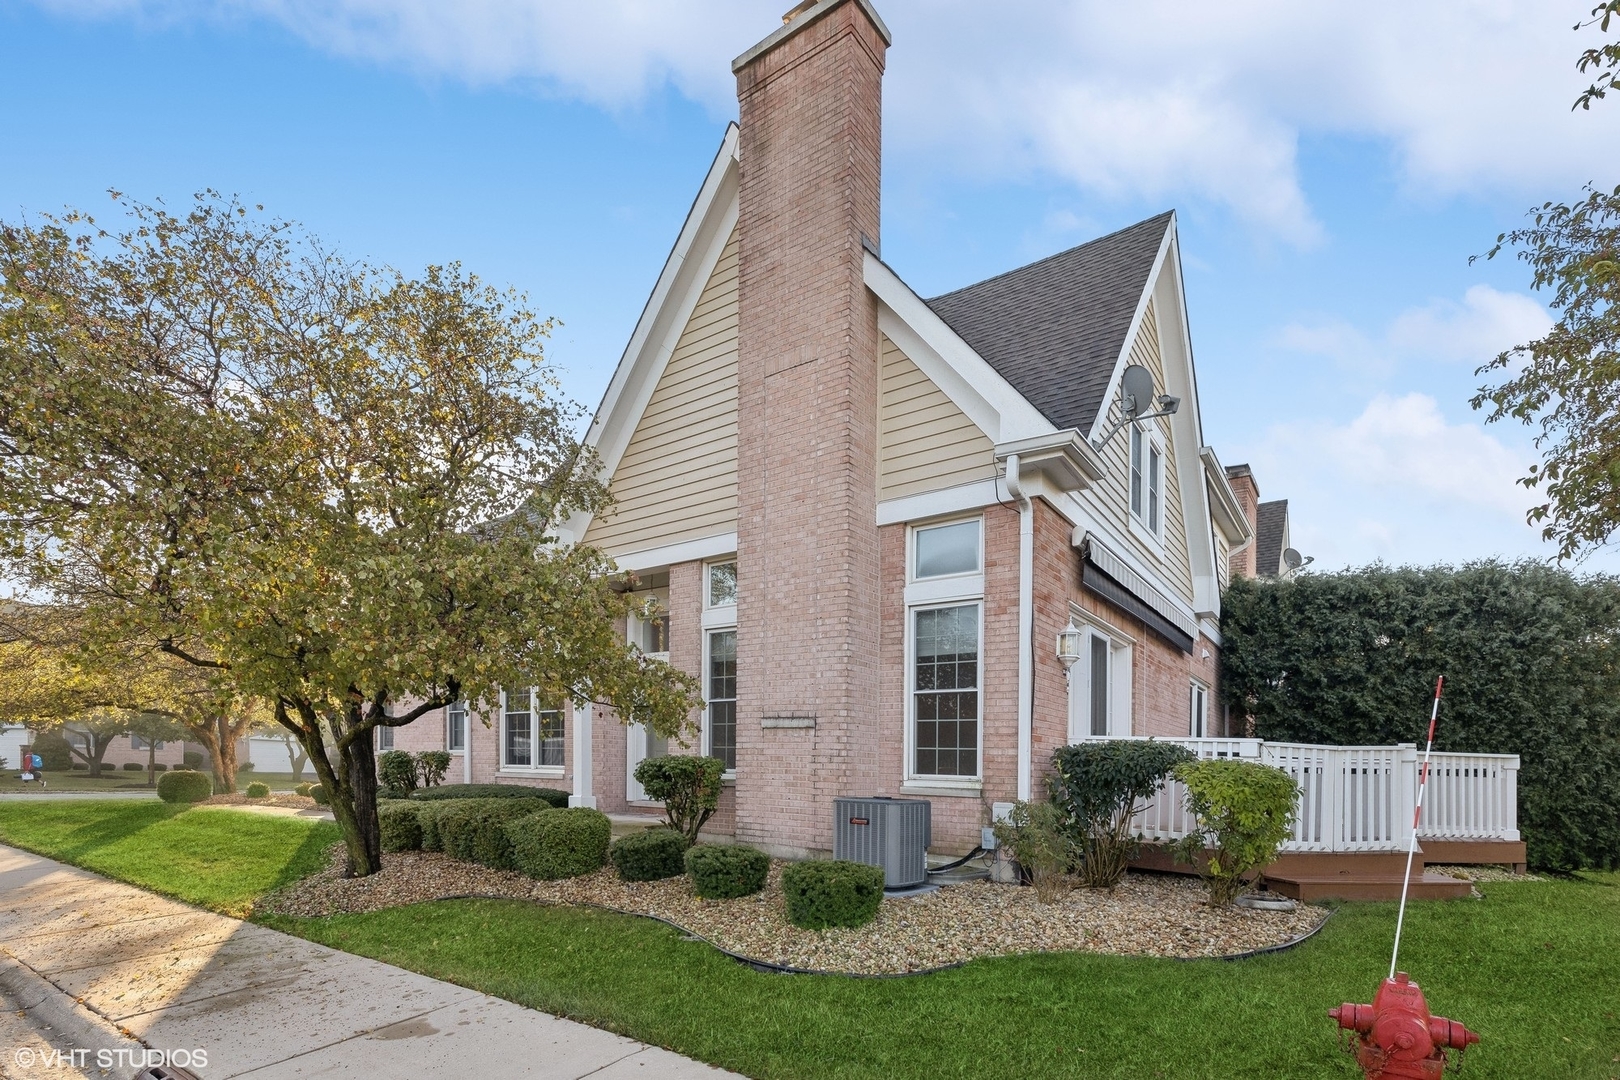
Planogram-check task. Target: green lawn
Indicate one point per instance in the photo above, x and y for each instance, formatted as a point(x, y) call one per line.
point(111, 780)
point(214, 857)
point(1532, 967)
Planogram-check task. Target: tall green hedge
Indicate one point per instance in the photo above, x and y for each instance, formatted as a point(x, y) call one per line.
point(1531, 656)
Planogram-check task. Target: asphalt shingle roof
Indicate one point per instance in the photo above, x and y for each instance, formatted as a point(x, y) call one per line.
point(1271, 522)
point(1055, 328)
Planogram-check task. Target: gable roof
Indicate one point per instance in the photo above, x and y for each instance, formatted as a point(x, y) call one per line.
point(1270, 529)
point(1056, 328)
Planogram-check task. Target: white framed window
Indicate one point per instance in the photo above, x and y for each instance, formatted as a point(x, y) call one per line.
point(385, 738)
point(1198, 710)
point(720, 584)
point(949, 549)
point(720, 690)
point(1147, 479)
point(136, 742)
point(455, 726)
point(1100, 683)
point(943, 699)
point(531, 737)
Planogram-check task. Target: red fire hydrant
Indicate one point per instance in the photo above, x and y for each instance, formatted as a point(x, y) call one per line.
point(1396, 1035)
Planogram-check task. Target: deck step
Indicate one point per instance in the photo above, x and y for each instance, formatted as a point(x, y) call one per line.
point(1367, 887)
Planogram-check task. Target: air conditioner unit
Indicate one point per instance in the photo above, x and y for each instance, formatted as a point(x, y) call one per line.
point(891, 833)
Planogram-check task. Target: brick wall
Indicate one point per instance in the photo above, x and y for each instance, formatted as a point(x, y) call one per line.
point(1247, 491)
point(807, 375)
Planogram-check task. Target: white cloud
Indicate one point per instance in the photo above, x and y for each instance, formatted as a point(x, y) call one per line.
point(1169, 99)
point(1399, 481)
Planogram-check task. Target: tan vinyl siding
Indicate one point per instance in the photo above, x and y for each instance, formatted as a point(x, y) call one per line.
point(677, 479)
point(1223, 554)
point(1110, 498)
point(924, 441)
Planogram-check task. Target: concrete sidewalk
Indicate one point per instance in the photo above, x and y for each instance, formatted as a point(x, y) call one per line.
point(260, 1003)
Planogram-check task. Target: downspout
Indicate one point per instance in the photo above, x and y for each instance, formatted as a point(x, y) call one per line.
point(1026, 627)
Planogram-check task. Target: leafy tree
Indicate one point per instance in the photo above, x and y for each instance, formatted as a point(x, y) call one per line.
point(1604, 59)
point(320, 484)
point(153, 728)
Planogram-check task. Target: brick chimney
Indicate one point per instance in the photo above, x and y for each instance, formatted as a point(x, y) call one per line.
point(810, 103)
point(1241, 477)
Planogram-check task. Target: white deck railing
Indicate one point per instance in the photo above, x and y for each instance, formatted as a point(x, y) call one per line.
point(1361, 798)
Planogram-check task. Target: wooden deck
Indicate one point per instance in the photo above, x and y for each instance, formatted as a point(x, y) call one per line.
point(1366, 875)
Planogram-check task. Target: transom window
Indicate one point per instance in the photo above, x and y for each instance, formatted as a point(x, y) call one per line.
point(945, 691)
point(530, 737)
point(722, 695)
point(944, 550)
point(722, 584)
point(455, 726)
point(1147, 479)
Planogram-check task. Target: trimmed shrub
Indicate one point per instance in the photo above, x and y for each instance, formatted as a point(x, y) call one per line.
point(131, 766)
point(392, 794)
point(396, 770)
point(1097, 786)
point(650, 855)
point(184, 787)
point(246, 766)
point(159, 767)
point(400, 827)
point(192, 759)
point(1037, 836)
point(79, 765)
point(722, 871)
point(475, 830)
point(491, 791)
point(258, 790)
point(1244, 810)
point(551, 843)
point(318, 793)
point(1531, 656)
point(54, 753)
point(689, 788)
point(303, 789)
point(427, 816)
point(431, 765)
point(821, 894)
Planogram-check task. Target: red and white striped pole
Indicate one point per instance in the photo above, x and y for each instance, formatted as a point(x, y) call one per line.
point(1417, 814)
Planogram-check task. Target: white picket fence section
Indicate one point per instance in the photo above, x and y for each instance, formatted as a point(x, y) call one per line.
point(1361, 798)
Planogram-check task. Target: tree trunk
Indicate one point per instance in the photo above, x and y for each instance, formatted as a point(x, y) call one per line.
point(360, 762)
point(151, 763)
point(224, 750)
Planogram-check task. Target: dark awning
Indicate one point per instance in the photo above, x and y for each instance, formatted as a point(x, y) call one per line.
point(1143, 601)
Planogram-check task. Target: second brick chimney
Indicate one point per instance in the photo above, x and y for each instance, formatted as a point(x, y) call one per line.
point(810, 100)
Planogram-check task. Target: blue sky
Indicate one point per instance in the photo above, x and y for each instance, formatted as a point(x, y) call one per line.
point(1333, 165)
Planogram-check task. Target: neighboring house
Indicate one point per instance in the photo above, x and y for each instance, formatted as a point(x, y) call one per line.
point(1268, 521)
point(863, 516)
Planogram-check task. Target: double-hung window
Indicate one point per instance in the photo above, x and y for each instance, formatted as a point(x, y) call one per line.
point(1147, 479)
point(531, 737)
point(1100, 684)
point(720, 661)
point(944, 617)
point(385, 737)
point(455, 726)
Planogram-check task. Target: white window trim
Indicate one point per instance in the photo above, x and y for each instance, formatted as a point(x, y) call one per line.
point(1121, 667)
point(633, 622)
point(1154, 437)
point(534, 741)
point(963, 579)
point(911, 779)
point(466, 727)
point(1194, 687)
point(704, 745)
point(708, 607)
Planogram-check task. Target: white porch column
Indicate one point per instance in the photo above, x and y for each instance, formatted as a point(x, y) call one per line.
point(583, 794)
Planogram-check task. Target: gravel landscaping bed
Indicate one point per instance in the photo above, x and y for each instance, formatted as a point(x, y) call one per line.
point(1147, 915)
point(1481, 873)
point(291, 801)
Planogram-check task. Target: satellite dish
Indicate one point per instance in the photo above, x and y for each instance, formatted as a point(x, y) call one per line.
point(1136, 390)
point(1293, 558)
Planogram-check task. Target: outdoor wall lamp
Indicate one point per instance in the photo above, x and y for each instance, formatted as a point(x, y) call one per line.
point(1069, 640)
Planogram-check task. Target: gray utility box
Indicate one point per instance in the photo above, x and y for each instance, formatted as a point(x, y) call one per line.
point(891, 833)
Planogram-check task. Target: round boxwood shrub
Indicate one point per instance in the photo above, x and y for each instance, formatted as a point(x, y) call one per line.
point(303, 789)
point(427, 817)
point(649, 855)
point(258, 790)
point(318, 793)
point(552, 843)
point(837, 893)
point(722, 871)
point(184, 787)
point(80, 765)
point(400, 827)
point(490, 791)
point(159, 767)
point(193, 759)
point(132, 766)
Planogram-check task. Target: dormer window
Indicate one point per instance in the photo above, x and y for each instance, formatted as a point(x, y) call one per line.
point(1147, 479)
